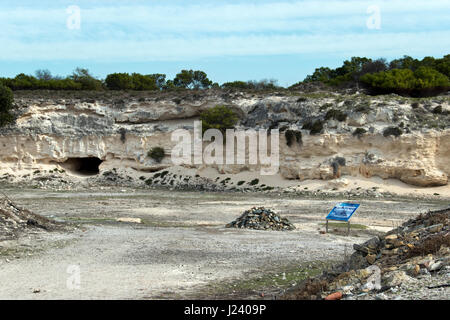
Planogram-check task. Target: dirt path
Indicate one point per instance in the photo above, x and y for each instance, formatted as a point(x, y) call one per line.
point(181, 245)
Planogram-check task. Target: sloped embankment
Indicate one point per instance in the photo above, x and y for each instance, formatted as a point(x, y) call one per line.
point(323, 136)
point(15, 220)
point(408, 262)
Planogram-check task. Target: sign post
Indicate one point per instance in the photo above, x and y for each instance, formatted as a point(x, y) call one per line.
point(342, 212)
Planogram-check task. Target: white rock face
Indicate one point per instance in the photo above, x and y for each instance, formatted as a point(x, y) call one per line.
point(121, 134)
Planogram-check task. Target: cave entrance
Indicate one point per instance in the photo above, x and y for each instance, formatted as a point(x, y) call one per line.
point(84, 166)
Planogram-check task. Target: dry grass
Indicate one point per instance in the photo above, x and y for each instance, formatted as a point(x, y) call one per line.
point(309, 290)
point(429, 246)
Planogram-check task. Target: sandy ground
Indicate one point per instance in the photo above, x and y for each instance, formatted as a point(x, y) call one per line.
point(346, 184)
point(180, 246)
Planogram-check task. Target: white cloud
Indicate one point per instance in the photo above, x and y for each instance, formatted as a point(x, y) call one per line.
point(306, 15)
point(169, 32)
point(190, 48)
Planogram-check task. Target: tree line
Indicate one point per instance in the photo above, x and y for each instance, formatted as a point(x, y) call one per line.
point(406, 76)
point(81, 79)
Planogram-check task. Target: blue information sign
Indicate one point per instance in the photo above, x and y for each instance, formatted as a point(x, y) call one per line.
point(343, 211)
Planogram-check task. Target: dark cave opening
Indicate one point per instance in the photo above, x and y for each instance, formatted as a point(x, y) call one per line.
point(85, 166)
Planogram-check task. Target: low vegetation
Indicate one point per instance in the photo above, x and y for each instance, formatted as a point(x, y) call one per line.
point(293, 135)
point(359, 132)
point(405, 76)
point(157, 154)
point(438, 110)
point(336, 115)
point(220, 117)
point(135, 81)
point(80, 79)
point(429, 246)
point(424, 81)
point(392, 131)
point(262, 85)
point(314, 127)
point(6, 102)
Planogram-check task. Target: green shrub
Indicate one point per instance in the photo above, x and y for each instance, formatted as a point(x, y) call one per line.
point(396, 79)
point(144, 82)
point(190, 79)
point(422, 82)
point(437, 110)
point(363, 108)
point(6, 102)
point(292, 135)
point(135, 81)
point(157, 154)
point(427, 77)
point(85, 79)
point(392, 131)
point(26, 82)
point(406, 75)
point(315, 127)
point(119, 81)
point(359, 132)
point(252, 85)
point(123, 135)
point(336, 114)
point(220, 117)
point(242, 85)
point(254, 182)
point(325, 106)
point(307, 125)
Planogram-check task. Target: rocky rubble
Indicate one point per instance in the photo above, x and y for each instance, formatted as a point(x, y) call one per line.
point(261, 219)
point(409, 262)
point(14, 220)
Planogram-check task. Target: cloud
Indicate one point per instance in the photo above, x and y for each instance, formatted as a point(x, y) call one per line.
point(180, 48)
point(174, 30)
point(215, 17)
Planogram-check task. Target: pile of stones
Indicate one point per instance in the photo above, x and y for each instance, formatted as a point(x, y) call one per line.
point(392, 266)
point(417, 237)
point(14, 220)
point(261, 219)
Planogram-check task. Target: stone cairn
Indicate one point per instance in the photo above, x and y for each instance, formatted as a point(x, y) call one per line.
point(261, 219)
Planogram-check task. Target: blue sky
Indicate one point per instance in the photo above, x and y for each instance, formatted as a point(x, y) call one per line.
point(230, 40)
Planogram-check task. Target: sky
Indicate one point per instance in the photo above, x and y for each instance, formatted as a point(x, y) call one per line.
point(229, 40)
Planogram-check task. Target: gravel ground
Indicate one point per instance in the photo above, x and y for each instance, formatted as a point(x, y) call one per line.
point(181, 245)
point(129, 262)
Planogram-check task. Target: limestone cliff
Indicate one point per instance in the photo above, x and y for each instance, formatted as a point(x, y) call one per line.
point(120, 131)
